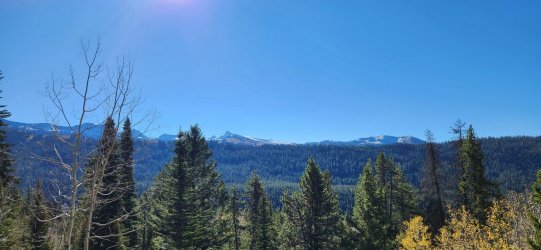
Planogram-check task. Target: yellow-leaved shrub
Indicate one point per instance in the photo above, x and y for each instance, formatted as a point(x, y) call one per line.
point(416, 235)
point(507, 227)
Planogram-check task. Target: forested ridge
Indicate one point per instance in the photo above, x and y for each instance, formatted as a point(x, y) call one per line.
point(189, 206)
point(510, 161)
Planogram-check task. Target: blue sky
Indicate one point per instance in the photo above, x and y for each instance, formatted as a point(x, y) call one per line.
point(293, 71)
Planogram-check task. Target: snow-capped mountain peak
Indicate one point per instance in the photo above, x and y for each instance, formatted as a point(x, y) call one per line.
point(375, 140)
point(232, 138)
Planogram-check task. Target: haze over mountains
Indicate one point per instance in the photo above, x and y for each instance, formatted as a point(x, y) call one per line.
point(93, 131)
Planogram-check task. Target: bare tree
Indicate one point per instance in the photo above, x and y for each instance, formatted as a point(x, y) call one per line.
point(101, 91)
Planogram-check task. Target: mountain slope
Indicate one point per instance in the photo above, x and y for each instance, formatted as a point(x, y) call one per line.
point(510, 161)
point(375, 140)
point(237, 139)
point(91, 130)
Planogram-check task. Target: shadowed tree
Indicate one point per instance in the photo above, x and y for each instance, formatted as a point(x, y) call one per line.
point(397, 198)
point(432, 205)
point(105, 231)
point(368, 210)
point(312, 212)
point(9, 196)
point(474, 185)
point(187, 196)
point(234, 209)
point(458, 129)
point(39, 221)
point(129, 198)
point(6, 162)
point(258, 215)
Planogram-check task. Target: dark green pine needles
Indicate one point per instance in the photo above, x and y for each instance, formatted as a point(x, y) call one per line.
point(129, 198)
point(39, 220)
point(187, 196)
point(311, 215)
point(259, 216)
point(106, 229)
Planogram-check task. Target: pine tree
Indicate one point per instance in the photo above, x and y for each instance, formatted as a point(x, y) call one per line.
point(258, 215)
point(129, 198)
point(221, 224)
point(474, 185)
point(535, 240)
point(368, 210)
point(432, 205)
point(313, 211)
point(397, 197)
point(187, 197)
point(39, 224)
point(9, 196)
point(204, 191)
point(106, 234)
point(234, 209)
point(6, 162)
point(385, 185)
point(166, 206)
point(322, 203)
point(180, 204)
point(158, 211)
point(459, 198)
point(403, 197)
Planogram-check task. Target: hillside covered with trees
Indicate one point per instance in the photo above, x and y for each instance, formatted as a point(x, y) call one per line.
point(510, 161)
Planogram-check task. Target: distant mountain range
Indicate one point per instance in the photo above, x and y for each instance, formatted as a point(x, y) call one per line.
point(375, 140)
point(94, 131)
point(233, 138)
point(229, 137)
point(91, 130)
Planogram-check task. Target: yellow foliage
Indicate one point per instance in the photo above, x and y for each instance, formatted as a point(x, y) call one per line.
point(416, 235)
point(462, 232)
point(506, 227)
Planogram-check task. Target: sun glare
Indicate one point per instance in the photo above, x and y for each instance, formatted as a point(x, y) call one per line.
point(177, 2)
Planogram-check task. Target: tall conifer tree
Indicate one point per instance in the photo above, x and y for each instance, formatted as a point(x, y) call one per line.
point(204, 191)
point(459, 198)
point(313, 211)
point(129, 198)
point(9, 196)
point(6, 162)
point(181, 204)
point(235, 211)
point(39, 224)
point(187, 196)
point(396, 197)
point(258, 215)
point(368, 210)
point(384, 180)
point(474, 185)
point(106, 234)
point(432, 204)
